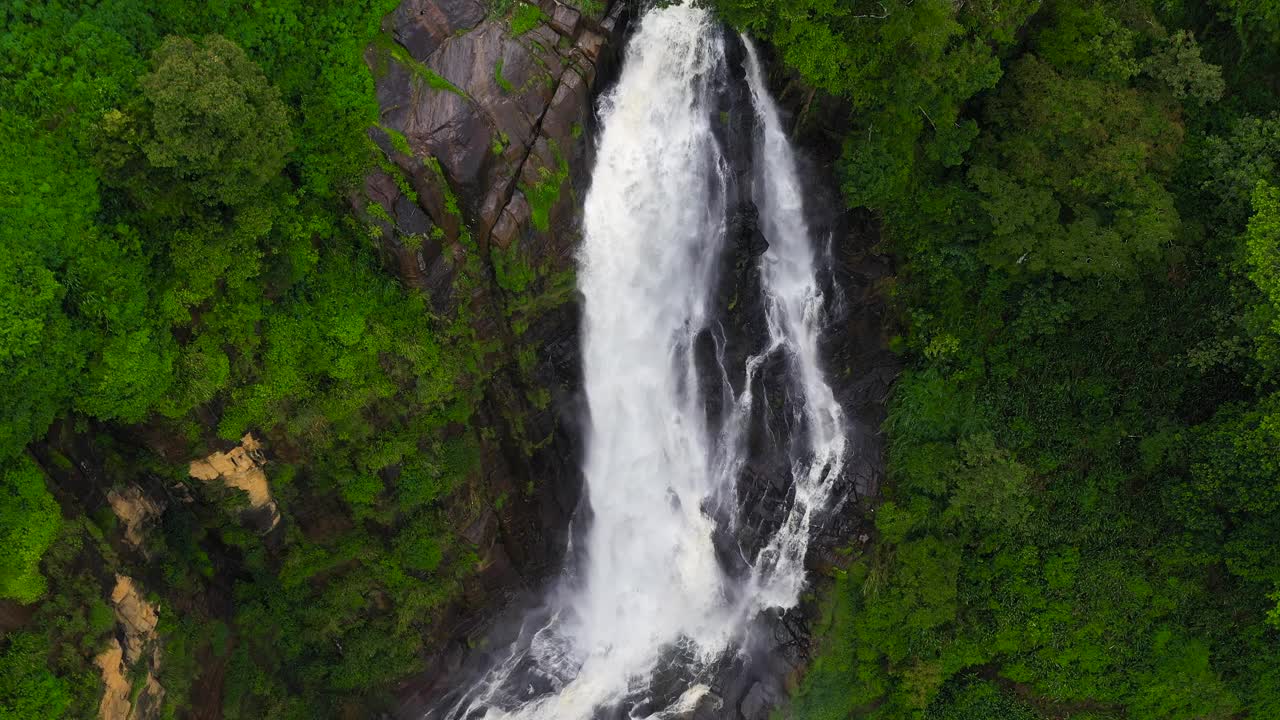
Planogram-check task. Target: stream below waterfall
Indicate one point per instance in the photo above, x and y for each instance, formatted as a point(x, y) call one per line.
point(670, 565)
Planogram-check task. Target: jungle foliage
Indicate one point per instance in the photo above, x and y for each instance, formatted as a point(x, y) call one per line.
point(181, 263)
point(1083, 504)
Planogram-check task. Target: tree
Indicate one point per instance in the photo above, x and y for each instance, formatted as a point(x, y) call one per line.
point(209, 121)
point(905, 67)
point(1071, 172)
point(37, 350)
point(1180, 66)
point(1256, 21)
point(1232, 164)
point(1262, 256)
point(130, 375)
point(29, 522)
point(28, 691)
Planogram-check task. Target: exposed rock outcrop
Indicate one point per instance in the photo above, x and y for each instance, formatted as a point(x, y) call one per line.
point(134, 650)
point(241, 468)
point(135, 510)
point(136, 618)
point(115, 703)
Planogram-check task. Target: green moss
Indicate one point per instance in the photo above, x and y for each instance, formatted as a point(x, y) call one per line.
point(503, 83)
point(525, 18)
point(438, 82)
point(527, 360)
point(825, 691)
point(591, 8)
point(419, 70)
point(544, 194)
point(398, 176)
point(450, 197)
point(398, 139)
point(540, 397)
point(510, 269)
point(376, 210)
point(30, 520)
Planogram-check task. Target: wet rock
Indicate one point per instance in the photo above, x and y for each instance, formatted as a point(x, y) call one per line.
point(410, 240)
point(564, 110)
point(481, 533)
point(514, 110)
point(409, 218)
point(592, 45)
point(514, 217)
point(757, 704)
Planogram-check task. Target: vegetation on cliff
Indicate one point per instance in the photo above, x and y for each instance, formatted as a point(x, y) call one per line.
point(1083, 504)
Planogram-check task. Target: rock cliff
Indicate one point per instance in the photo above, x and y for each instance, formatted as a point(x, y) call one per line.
point(485, 124)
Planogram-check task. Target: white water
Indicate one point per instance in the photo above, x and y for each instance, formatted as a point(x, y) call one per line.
point(794, 305)
point(650, 585)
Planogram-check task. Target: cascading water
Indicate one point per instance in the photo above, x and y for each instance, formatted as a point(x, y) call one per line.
point(649, 595)
point(794, 308)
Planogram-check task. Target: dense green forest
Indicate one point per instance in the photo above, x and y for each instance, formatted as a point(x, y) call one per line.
point(180, 259)
point(1083, 505)
point(1082, 515)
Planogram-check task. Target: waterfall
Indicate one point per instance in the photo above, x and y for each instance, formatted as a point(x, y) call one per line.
point(648, 596)
point(794, 307)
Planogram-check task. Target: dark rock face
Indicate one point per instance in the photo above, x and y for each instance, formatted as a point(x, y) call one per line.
point(488, 134)
point(501, 113)
point(422, 25)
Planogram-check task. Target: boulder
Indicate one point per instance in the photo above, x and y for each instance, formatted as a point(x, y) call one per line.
point(118, 701)
point(115, 703)
point(136, 617)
